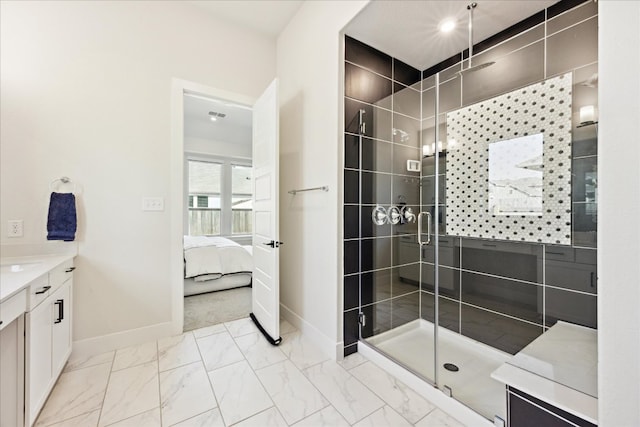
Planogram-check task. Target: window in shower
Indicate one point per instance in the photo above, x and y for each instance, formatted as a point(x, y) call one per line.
point(515, 176)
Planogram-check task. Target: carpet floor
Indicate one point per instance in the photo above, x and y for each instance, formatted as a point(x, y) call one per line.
point(216, 307)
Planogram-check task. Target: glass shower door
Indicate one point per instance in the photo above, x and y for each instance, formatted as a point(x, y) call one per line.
point(394, 308)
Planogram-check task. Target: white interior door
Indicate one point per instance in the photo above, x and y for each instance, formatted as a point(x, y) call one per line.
point(266, 275)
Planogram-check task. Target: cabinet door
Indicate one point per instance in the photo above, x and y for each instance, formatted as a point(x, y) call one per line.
point(11, 373)
point(61, 345)
point(527, 411)
point(38, 357)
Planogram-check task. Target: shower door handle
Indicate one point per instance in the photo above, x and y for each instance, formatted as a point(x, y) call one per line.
point(420, 242)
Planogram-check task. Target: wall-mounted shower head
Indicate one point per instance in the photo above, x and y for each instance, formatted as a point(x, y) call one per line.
point(472, 68)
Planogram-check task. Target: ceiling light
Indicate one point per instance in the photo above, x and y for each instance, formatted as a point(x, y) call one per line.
point(447, 25)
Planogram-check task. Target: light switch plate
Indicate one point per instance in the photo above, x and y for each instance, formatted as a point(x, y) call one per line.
point(153, 204)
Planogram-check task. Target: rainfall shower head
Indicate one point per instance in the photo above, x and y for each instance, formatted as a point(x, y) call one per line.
point(478, 67)
point(472, 68)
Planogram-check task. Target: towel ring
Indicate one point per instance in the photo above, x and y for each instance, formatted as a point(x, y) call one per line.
point(63, 180)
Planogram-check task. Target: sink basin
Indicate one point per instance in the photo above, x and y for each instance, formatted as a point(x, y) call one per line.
point(18, 268)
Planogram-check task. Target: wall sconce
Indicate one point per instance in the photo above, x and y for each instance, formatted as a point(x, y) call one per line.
point(587, 116)
point(430, 149)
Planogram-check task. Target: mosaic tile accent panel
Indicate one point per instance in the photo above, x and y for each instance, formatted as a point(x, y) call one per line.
point(543, 107)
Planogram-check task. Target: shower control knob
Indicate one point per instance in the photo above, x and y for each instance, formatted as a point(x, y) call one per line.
point(379, 215)
point(394, 215)
point(409, 216)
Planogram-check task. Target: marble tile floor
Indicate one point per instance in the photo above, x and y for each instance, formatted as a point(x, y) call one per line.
point(228, 375)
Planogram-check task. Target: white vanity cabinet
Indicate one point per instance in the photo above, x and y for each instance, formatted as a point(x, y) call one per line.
point(47, 335)
point(12, 360)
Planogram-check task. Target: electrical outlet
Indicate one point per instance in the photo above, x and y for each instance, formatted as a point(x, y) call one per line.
point(15, 228)
point(152, 204)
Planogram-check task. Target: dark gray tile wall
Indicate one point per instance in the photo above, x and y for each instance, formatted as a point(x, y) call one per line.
point(382, 271)
point(501, 293)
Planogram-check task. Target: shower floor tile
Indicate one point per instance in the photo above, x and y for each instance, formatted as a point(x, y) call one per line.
point(472, 385)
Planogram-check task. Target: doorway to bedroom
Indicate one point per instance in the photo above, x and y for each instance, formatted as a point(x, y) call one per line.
point(217, 211)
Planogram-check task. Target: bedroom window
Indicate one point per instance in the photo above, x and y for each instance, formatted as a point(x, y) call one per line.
point(220, 197)
point(204, 198)
point(241, 200)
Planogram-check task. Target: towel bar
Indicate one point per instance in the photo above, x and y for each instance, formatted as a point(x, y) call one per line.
point(323, 188)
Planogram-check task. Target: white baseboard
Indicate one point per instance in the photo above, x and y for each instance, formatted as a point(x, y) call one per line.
point(326, 345)
point(104, 343)
point(340, 351)
point(448, 404)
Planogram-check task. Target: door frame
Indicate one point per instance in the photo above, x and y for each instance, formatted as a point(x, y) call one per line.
point(176, 184)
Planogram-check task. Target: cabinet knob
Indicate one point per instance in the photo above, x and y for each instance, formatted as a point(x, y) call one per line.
point(43, 290)
point(69, 270)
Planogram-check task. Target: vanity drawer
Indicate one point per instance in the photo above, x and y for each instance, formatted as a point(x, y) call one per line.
point(560, 253)
point(38, 290)
point(13, 307)
point(61, 274)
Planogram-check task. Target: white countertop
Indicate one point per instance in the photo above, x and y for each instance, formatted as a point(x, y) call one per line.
point(16, 273)
point(560, 367)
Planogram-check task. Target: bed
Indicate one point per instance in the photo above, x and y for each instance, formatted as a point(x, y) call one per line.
point(215, 263)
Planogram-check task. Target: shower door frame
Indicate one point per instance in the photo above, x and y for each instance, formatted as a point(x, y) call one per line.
point(433, 234)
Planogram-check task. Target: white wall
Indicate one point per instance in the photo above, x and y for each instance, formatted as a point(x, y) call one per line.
point(308, 66)
point(619, 213)
point(86, 92)
point(217, 148)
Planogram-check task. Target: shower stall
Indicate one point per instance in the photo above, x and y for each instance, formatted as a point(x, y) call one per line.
point(470, 196)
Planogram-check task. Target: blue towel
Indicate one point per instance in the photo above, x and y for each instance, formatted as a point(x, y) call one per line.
point(62, 222)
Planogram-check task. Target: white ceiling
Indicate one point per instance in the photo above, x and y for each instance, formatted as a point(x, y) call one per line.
point(405, 29)
point(234, 128)
point(268, 17)
point(408, 30)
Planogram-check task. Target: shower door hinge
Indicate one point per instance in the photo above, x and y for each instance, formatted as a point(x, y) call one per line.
point(447, 390)
point(362, 319)
point(362, 126)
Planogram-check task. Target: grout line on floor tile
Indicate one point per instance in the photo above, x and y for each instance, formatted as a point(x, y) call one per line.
point(106, 387)
point(132, 416)
point(197, 415)
point(396, 380)
point(204, 366)
point(253, 415)
point(316, 388)
point(47, 401)
point(259, 381)
point(159, 389)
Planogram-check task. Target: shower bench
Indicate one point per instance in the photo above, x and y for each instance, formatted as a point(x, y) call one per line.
point(553, 381)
